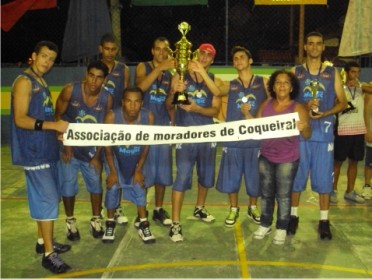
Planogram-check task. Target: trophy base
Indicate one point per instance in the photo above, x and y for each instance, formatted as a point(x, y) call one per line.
point(314, 113)
point(180, 98)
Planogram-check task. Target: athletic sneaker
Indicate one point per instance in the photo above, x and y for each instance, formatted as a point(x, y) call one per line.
point(54, 263)
point(324, 229)
point(354, 197)
point(96, 227)
point(333, 197)
point(232, 217)
point(109, 235)
point(175, 232)
point(293, 225)
point(57, 247)
point(367, 192)
point(279, 237)
point(203, 214)
point(162, 216)
point(72, 231)
point(137, 220)
point(254, 214)
point(145, 233)
point(261, 232)
point(120, 217)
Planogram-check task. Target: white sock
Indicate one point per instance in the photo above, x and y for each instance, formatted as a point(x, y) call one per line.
point(143, 219)
point(324, 214)
point(157, 208)
point(234, 209)
point(253, 206)
point(294, 211)
point(40, 241)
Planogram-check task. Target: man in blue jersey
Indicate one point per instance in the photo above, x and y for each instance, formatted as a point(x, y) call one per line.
point(125, 166)
point(154, 78)
point(118, 79)
point(322, 92)
point(204, 105)
point(83, 102)
point(245, 94)
point(34, 146)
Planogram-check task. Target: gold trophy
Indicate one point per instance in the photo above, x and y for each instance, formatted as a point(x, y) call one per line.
point(314, 86)
point(182, 55)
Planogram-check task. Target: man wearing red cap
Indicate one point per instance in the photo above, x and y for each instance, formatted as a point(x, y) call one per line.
point(202, 88)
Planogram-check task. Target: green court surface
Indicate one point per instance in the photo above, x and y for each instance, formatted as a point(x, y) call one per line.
point(208, 250)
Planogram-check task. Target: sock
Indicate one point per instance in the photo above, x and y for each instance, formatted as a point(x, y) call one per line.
point(70, 217)
point(40, 241)
point(143, 219)
point(157, 208)
point(47, 254)
point(253, 206)
point(96, 217)
point(324, 215)
point(110, 219)
point(294, 211)
point(234, 209)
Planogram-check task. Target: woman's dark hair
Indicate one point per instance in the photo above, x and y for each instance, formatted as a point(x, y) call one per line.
point(292, 78)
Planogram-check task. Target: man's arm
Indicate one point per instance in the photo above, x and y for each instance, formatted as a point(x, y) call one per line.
point(21, 101)
point(138, 176)
point(144, 81)
point(126, 76)
point(112, 177)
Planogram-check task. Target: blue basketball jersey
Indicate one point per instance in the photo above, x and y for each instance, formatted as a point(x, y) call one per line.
point(255, 94)
point(322, 129)
point(115, 83)
point(155, 96)
point(78, 112)
point(128, 155)
point(200, 94)
point(30, 147)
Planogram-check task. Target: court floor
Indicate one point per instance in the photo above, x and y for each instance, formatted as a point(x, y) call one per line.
point(208, 250)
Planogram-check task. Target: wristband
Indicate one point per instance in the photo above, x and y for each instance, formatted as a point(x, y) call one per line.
point(38, 125)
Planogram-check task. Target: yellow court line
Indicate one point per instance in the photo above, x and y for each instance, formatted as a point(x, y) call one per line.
point(240, 243)
point(210, 263)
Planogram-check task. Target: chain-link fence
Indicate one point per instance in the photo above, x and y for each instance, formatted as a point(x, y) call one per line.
point(271, 33)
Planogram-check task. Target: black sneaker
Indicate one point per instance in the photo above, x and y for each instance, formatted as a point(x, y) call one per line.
point(293, 225)
point(137, 220)
point(54, 263)
point(145, 233)
point(72, 231)
point(175, 232)
point(57, 247)
point(203, 215)
point(324, 229)
point(109, 235)
point(96, 227)
point(162, 216)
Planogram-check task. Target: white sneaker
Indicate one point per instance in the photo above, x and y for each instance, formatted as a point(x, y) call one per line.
point(261, 232)
point(120, 217)
point(279, 237)
point(367, 192)
point(354, 197)
point(175, 232)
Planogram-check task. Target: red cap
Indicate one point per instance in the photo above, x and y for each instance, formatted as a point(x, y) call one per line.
point(208, 47)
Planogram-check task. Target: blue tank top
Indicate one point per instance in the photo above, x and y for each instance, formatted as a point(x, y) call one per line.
point(255, 95)
point(115, 83)
point(201, 95)
point(322, 129)
point(30, 147)
point(280, 150)
point(128, 155)
point(155, 96)
point(78, 112)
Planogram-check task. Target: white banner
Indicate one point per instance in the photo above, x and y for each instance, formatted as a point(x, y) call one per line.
point(118, 134)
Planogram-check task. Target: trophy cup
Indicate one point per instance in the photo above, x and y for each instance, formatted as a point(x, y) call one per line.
point(182, 55)
point(314, 86)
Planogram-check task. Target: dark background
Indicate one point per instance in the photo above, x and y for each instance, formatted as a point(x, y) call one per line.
point(263, 29)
